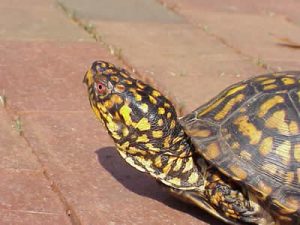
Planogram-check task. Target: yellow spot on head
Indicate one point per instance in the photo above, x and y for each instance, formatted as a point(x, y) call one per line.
point(140, 84)
point(124, 75)
point(114, 78)
point(152, 100)
point(166, 142)
point(120, 88)
point(160, 122)
point(133, 91)
point(103, 64)
point(89, 78)
point(157, 134)
point(169, 115)
point(115, 136)
point(125, 131)
point(96, 111)
point(116, 99)
point(238, 172)
point(161, 110)
point(142, 138)
point(143, 124)
point(144, 107)
point(123, 147)
point(167, 105)
point(128, 82)
point(108, 104)
point(155, 93)
point(173, 124)
point(138, 97)
point(125, 112)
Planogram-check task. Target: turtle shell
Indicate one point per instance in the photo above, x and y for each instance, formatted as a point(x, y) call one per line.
point(251, 133)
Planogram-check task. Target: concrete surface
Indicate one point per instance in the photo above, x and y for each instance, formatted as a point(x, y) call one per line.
point(58, 164)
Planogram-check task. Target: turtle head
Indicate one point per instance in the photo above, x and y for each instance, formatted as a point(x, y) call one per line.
point(142, 122)
point(130, 109)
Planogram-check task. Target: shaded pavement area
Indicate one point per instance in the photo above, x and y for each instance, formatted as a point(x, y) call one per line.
point(58, 164)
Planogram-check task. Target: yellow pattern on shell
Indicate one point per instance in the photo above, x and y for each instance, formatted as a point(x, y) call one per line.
point(283, 150)
point(297, 152)
point(212, 151)
point(270, 103)
point(229, 105)
point(248, 129)
point(266, 146)
point(270, 87)
point(238, 172)
point(277, 121)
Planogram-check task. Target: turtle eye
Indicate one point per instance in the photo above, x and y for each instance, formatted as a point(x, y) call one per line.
point(101, 88)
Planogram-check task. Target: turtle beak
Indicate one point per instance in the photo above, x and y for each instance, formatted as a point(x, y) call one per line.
point(85, 78)
point(88, 78)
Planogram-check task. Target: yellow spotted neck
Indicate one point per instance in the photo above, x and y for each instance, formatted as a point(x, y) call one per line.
point(143, 124)
point(174, 166)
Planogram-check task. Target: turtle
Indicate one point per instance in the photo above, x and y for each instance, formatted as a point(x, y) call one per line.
point(237, 157)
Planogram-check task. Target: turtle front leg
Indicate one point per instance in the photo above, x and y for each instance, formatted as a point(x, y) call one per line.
point(234, 203)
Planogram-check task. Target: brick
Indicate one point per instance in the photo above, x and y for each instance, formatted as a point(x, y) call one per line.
point(27, 197)
point(32, 20)
point(14, 151)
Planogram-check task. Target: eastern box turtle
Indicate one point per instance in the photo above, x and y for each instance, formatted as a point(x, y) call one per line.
point(237, 156)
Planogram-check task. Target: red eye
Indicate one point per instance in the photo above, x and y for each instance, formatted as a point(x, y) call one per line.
point(101, 88)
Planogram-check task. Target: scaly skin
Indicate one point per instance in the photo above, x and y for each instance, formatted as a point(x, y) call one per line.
point(147, 134)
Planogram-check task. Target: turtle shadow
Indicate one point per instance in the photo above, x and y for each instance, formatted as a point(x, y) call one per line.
point(146, 186)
